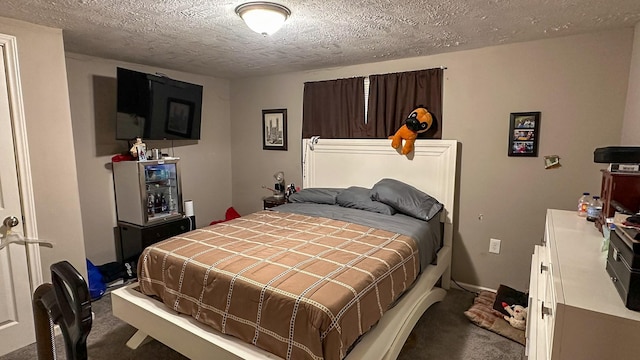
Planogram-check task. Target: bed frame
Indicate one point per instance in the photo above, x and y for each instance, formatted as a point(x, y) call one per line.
point(326, 163)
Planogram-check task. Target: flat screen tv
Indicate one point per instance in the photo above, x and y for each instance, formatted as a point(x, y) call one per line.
point(155, 107)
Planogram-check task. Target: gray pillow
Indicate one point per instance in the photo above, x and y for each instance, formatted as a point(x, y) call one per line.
point(360, 198)
point(406, 199)
point(315, 195)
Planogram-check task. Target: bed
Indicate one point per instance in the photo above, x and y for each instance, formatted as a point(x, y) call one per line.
point(331, 163)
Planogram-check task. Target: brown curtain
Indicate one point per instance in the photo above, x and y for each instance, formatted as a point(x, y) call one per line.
point(334, 109)
point(392, 97)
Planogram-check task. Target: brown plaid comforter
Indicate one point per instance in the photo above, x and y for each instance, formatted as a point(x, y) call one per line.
point(298, 286)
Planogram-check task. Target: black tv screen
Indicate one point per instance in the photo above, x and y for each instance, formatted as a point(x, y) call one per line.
point(155, 107)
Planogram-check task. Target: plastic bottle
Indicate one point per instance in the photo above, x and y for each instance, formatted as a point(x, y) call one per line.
point(607, 237)
point(594, 209)
point(583, 204)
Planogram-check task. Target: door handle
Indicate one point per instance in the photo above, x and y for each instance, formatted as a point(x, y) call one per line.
point(543, 268)
point(545, 310)
point(15, 238)
point(10, 221)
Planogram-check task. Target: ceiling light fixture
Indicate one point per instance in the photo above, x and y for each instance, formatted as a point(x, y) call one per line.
point(263, 17)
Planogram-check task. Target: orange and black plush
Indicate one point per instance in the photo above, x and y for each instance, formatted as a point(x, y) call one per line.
point(417, 122)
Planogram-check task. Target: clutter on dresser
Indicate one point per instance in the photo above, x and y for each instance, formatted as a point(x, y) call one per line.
point(583, 204)
point(594, 208)
point(620, 191)
point(615, 167)
point(623, 264)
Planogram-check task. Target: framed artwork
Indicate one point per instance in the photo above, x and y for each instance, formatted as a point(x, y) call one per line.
point(274, 129)
point(179, 117)
point(524, 132)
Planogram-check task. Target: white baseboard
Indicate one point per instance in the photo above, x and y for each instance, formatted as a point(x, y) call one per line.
point(475, 288)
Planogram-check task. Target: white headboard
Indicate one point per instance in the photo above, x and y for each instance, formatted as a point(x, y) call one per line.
point(362, 162)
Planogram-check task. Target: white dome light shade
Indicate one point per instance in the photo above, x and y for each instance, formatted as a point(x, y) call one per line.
point(263, 17)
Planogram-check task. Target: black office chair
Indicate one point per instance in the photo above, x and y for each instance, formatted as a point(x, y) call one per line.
point(65, 302)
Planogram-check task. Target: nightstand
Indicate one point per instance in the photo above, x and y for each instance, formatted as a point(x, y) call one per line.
point(134, 238)
point(270, 201)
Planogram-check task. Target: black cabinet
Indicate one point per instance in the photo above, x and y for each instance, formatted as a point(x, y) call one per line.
point(134, 238)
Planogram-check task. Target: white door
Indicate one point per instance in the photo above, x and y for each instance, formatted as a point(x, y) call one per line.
point(16, 317)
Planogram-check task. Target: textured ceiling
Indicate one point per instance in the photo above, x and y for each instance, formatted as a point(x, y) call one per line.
point(207, 37)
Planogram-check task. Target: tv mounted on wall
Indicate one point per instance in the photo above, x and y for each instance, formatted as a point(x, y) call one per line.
point(155, 107)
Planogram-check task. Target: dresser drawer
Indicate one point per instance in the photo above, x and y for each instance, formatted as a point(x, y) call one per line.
point(542, 304)
point(531, 347)
point(134, 238)
point(547, 309)
point(154, 234)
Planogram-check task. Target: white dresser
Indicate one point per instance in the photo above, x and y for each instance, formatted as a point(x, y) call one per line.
point(575, 312)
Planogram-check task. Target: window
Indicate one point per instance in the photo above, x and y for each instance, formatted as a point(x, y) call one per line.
point(371, 107)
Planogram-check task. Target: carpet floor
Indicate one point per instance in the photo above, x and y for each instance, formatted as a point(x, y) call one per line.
point(443, 332)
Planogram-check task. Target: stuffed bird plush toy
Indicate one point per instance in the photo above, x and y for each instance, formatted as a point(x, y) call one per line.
point(417, 122)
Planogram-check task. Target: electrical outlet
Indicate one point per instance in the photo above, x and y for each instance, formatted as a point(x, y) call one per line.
point(494, 246)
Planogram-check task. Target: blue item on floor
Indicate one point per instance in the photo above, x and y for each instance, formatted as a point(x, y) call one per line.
point(97, 287)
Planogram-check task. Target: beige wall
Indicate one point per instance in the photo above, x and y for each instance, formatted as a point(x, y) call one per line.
point(631, 126)
point(579, 84)
point(53, 168)
point(205, 164)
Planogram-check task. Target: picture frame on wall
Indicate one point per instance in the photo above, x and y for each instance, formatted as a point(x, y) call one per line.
point(274, 129)
point(524, 133)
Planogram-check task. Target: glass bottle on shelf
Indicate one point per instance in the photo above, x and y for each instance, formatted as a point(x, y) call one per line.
point(172, 204)
point(157, 203)
point(163, 202)
point(150, 205)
